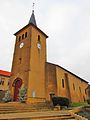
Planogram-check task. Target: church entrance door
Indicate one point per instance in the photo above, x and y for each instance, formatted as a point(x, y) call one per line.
point(17, 85)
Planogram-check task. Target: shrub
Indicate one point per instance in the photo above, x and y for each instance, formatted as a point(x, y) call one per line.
point(55, 101)
point(88, 101)
point(62, 101)
point(7, 97)
point(22, 94)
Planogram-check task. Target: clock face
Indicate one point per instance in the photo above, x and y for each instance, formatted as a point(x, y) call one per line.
point(39, 45)
point(21, 45)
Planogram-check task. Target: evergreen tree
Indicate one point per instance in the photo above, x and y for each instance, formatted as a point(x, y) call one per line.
point(8, 96)
point(23, 94)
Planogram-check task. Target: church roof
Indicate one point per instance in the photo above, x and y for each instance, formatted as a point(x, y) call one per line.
point(5, 73)
point(31, 24)
point(32, 19)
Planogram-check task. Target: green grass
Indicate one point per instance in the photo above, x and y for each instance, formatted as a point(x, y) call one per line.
point(79, 104)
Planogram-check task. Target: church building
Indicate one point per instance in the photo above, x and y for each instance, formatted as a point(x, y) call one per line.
point(31, 69)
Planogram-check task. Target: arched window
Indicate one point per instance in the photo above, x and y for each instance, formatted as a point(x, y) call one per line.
point(38, 37)
point(23, 36)
point(80, 89)
point(39, 43)
point(19, 38)
point(73, 86)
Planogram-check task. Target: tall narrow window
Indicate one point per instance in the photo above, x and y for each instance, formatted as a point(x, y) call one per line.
point(80, 89)
point(39, 43)
point(38, 37)
point(25, 34)
point(73, 86)
point(63, 83)
point(19, 38)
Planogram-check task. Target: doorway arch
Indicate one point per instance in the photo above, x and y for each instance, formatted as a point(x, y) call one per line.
point(17, 85)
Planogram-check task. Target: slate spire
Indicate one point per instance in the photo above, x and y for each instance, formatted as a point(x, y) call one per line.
point(32, 19)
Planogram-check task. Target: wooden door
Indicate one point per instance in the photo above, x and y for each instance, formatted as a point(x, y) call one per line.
point(17, 86)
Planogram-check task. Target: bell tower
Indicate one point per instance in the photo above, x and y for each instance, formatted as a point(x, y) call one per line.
point(28, 66)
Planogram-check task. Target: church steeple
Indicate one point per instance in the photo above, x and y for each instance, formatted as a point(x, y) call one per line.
point(32, 18)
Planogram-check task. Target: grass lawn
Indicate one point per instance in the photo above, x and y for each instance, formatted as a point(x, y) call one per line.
point(79, 104)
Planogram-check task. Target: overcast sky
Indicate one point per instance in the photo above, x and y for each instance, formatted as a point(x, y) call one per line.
point(66, 22)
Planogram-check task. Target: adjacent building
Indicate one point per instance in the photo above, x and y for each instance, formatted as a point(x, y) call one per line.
point(4, 82)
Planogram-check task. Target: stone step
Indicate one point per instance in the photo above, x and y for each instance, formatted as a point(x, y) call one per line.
point(71, 119)
point(43, 115)
point(50, 118)
point(66, 117)
point(56, 117)
point(21, 107)
point(25, 106)
point(17, 108)
point(21, 111)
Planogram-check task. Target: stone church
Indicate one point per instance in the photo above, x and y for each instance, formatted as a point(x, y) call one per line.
point(42, 79)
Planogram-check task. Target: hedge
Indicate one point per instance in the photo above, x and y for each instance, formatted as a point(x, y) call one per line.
point(61, 101)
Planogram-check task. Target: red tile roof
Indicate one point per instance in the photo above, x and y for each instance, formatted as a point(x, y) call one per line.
point(5, 73)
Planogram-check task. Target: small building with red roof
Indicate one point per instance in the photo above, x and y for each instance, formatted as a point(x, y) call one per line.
point(5, 73)
point(4, 82)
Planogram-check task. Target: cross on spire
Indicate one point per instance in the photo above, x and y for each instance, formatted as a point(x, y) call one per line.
point(32, 18)
point(33, 7)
